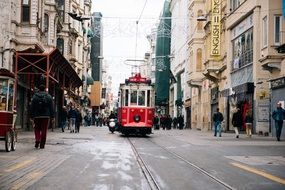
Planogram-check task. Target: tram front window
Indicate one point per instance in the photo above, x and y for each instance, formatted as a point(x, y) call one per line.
point(141, 98)
point(133, 97)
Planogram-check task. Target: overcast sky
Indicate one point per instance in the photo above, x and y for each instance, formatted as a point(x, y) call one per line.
point(119, 41)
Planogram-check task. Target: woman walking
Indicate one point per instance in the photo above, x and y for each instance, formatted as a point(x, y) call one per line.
point(237, 121)
point(248, 123)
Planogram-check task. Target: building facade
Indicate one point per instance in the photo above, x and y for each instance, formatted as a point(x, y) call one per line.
point(42, 44)
point(178, 56)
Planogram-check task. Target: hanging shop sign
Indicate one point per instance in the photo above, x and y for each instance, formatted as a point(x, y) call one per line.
point(278, 83)
point(216, 28)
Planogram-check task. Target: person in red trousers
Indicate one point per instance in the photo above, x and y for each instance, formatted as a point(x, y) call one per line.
point(42, 113)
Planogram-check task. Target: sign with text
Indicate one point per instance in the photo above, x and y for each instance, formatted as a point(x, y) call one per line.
point(216, 28)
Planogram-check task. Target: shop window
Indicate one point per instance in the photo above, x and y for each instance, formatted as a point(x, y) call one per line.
point(6, 95)
point(277, 29)
point(26, 11)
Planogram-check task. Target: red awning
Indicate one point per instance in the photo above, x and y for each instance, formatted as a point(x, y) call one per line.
point(52, 65)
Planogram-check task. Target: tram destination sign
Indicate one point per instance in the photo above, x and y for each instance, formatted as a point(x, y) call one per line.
point(278, 83)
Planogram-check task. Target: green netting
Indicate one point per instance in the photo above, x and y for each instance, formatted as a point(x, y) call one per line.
point(162, 73)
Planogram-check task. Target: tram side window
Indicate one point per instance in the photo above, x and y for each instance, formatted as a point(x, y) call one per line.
point(133, 97)
point(126, 98)
point(3, 94)
point(141, 97)
point(148, 98)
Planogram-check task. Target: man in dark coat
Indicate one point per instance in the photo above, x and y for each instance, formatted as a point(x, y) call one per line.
point(218, 118)
point(42, 112)
point(237, 121)
point(278, 115)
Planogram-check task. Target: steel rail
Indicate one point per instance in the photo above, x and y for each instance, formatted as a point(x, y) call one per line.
point(196, 167)
point(146, 172)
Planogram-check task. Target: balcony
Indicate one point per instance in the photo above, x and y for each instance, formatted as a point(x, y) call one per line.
point(272, 62)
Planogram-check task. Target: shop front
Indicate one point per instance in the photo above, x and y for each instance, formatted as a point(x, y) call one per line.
point(34, 67)
point(277, 95)
point(242, 98)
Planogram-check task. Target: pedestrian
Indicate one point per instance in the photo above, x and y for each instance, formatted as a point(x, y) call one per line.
point(163, 121)
point(218, 118)
point(78, 119)
point(278, 115)
point(72, 115)
point(237, 121)
point(63, 118)
point(175, 123)
point(180, 122)
point(42, 113)
point(168, 122)
point(156, 122)
point(248, 122)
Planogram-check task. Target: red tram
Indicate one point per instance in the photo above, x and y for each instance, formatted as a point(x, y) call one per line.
point(136, 106)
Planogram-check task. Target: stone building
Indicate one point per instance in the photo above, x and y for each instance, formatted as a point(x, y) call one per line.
point(42, 41)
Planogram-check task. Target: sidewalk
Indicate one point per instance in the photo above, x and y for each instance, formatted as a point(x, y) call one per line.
point(199, 137)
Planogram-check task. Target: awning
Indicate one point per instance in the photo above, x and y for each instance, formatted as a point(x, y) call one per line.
point(90, 80)
point(52, 65)
point(64, 66)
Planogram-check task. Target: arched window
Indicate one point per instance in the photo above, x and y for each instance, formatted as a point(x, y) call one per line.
point(60, 45)
point(46, 23)
point(25, 10)
point(199, 59)
point(199, 23)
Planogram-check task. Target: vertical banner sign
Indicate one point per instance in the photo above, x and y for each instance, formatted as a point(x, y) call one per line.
point(216, 28)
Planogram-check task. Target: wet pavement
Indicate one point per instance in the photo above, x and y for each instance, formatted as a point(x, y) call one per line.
point(97, 159)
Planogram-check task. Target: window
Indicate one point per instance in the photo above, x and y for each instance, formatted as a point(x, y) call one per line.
point(148, 98)
point(277, 30)
point(60, 45)
point(265, 31)
point(6, 95)
point(235, 4)
point(134, 97)
point(141, 98)
point(70, 47)
point(46, 23)
point(243, 50)
point(199, 60)
point(127, 98)
point(26, 11)
point(200, 23)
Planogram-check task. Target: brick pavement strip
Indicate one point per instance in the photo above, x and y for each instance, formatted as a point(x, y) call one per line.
point(33, 168)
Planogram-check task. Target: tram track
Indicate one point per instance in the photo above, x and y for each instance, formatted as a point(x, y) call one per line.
point(203, 171)
point(146, 172)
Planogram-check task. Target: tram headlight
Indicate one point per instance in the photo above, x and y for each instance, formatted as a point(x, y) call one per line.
point(137, 118)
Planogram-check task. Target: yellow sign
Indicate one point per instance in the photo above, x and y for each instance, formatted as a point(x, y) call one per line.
point(216, 28)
